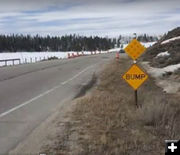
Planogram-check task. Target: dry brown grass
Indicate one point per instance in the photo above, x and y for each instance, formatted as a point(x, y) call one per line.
point(109, 122)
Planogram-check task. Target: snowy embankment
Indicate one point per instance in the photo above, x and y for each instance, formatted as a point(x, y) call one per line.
point(162, 54)
point(168, 85)
point(159, 72)
point(31, 57)
point(125, 45)
point(170, 40)
point(27, 57)
point(149, 44)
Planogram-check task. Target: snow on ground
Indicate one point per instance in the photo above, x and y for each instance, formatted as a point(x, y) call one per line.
point(38, 56)
point(30, 56)
point(162, 54)
point(169, 40)
point(168, 86)
point(148, 44)
point(125, 45)
point(115, 50)
point(158, 72)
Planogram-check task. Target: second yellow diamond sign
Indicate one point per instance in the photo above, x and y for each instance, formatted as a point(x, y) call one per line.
point(135, 76)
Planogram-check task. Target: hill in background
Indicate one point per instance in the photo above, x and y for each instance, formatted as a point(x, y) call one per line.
point(166, 51)
point(164, 61)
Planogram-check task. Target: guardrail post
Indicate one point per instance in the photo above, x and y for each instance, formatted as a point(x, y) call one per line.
point(5, 62)
point(12, 60)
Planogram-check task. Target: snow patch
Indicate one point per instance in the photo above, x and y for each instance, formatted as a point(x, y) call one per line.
point(148, 44)
point(168, 86)
point(30, 56)
point(115, 50)
point(158, 72)
point(170, 40)
point(162, 54)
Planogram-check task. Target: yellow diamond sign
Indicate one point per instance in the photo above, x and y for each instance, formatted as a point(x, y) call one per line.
point(135, 49)
point(135, 76)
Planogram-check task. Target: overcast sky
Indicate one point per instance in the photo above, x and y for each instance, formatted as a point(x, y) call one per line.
point(88, 17)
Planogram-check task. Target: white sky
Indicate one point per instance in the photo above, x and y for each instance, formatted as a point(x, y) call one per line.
point(88, 17)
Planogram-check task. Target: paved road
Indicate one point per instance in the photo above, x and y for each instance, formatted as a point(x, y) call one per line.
point(29, 93)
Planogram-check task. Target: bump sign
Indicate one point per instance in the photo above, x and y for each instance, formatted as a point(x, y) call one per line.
point(135, 76)
point(135, 49)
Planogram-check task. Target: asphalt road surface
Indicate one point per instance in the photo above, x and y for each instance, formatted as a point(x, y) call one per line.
point(29, 93)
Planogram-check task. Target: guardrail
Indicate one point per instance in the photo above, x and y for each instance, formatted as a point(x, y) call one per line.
point(13, 60)
point(24, 61)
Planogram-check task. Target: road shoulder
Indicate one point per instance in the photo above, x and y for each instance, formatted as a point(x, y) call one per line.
point(34, 143)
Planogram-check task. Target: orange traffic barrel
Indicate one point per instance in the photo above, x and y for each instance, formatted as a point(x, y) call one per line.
point(73, 55)
point(117, 55)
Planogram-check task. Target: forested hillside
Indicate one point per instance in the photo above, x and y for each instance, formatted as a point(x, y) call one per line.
point(18, 43)
point(15, 43)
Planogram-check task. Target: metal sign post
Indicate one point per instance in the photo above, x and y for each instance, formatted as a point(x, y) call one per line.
point(136, 98)
point(136, 93)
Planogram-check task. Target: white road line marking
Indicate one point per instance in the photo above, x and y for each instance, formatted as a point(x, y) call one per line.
point(63, 83)
point(43, 94)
